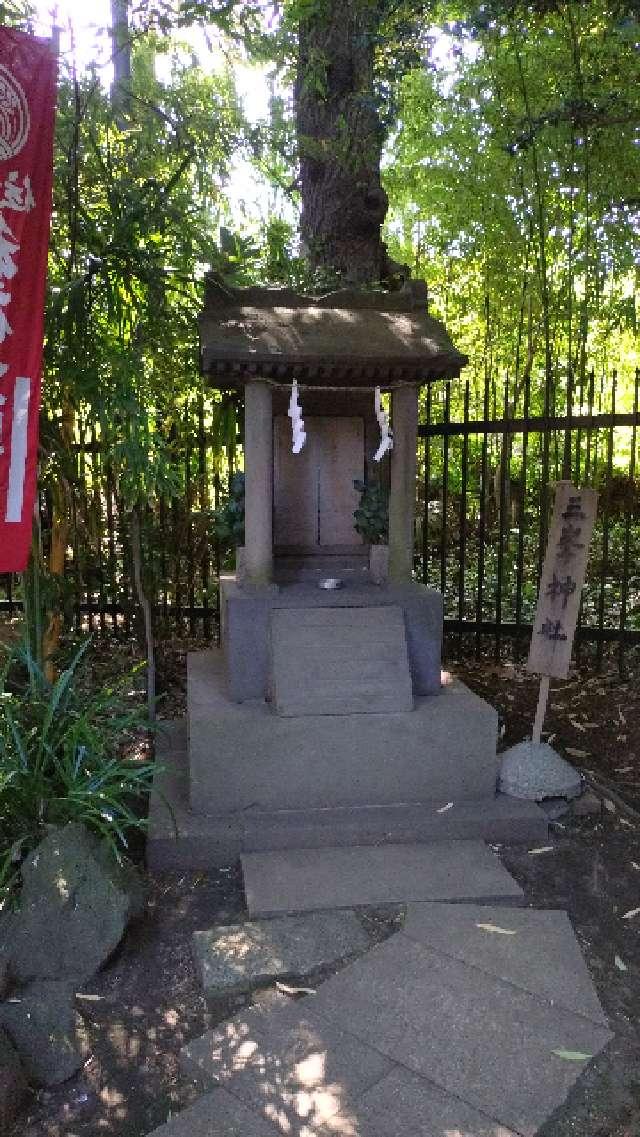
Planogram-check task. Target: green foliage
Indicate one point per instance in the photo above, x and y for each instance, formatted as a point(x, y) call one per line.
point(134, 226)
point(60, 758)
point(372, 514)
point(512, 168)
point(228, 521)
point(513, 184)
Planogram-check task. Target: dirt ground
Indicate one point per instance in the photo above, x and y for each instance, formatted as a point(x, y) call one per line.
point(146, 1003)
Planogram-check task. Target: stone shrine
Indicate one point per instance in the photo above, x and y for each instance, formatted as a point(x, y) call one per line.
point(321, 720)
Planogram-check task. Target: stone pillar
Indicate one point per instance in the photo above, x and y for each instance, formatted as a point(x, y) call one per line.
point(258, 474)
point(402, 498)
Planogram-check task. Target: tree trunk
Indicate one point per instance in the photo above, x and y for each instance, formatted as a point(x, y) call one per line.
point(340, 140)
point(145, 607)
point(121, 52)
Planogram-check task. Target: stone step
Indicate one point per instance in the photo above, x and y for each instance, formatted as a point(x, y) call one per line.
point(340, 661)
point(180, 840)
point(308, 879)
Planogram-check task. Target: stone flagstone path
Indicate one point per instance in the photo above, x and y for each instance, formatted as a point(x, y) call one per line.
point(472, 1020)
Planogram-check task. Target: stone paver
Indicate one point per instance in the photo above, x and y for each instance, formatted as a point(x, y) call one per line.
point(217, 1114)
point(536, 951)
point(405, 1105)
point(306, 879)
point(237, 957)
point(478, 1038)
point(294, 1069)
point(290, 1063)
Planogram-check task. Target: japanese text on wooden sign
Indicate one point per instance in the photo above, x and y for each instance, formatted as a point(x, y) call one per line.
point(563, 573)
point(27, 101)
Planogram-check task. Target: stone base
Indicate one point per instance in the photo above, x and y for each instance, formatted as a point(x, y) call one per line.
point(179, 840)
point(244, 756)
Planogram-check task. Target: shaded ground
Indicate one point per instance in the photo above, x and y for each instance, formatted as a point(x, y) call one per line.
point(146, 1003)
point(593, 717)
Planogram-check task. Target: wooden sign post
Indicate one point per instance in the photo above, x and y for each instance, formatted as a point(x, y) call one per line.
point(563, 573)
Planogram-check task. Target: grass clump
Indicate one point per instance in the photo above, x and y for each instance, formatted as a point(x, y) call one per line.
point(63, 758)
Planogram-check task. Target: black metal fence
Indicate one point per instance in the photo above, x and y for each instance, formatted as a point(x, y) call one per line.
point(488, 461)
point(488, 454)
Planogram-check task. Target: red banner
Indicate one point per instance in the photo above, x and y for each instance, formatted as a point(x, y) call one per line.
point(28, 70)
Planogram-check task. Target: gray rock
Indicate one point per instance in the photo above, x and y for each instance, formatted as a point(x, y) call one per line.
point(13, 1084)
point(587, 805)
point(535, 771)
point(237, 957)
point(76, 902)
point(555, 807)
point(47, 1031)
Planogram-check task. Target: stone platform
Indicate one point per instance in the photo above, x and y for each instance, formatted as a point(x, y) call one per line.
point(181, 840)
point(243, 756)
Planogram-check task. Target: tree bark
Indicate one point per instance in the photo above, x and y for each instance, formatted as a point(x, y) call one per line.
point(121, 53)
point(58, 549)
point(340, 140)
point(145, 607)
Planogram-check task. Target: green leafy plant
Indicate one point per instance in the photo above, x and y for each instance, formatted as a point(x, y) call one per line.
point(372, 514)
point(61, 758)
point(228, 521)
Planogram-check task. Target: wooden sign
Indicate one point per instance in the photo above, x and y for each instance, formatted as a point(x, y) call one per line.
point(574, 514)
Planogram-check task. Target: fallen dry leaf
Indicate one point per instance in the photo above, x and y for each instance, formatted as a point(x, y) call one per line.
point(287, 990)
point(574, 753)
point(572, 1055)
point(631, 913)
point(497, 929)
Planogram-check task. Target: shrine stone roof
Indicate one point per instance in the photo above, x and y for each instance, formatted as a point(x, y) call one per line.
point(348, 338)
